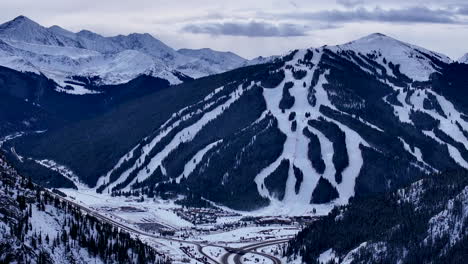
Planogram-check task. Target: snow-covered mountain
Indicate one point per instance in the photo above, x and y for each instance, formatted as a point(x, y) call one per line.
point(60, 55)
point(298, 134)
point(215, 61)
point(260, 60)
point(464, 59)
point(415, 62)
point(25, 30)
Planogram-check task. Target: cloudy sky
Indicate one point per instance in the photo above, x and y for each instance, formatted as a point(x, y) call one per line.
point(259, 27)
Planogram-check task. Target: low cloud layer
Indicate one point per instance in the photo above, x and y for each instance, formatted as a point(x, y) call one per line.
point(250, 29)
point(403, 15)
point(299, 23)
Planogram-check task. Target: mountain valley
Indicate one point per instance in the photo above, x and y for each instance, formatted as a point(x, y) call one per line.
point(321, 155)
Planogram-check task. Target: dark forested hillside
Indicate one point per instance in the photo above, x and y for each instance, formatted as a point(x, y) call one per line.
point(101, 141)
point(426, 222)
point(42, 94)
point(30, 106)
point(36, 227)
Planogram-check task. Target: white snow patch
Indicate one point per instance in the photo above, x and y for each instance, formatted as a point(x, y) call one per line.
point(193, 162)
point(327, 256)
point(62, 170)
point(454, 153)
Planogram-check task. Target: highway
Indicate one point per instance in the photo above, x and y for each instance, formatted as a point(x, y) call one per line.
point(239, 252)
point(209, 260)
point(130, 229)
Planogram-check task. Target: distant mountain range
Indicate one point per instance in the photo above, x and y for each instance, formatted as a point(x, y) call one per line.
point(62, 55)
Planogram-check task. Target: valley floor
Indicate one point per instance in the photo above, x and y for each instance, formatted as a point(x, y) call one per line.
point(194, 235)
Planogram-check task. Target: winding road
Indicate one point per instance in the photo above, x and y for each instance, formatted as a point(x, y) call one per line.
point(239, 252)
point(235, 252)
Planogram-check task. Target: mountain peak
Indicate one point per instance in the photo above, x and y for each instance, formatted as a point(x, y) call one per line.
point(383, 43)
point(61, 31)
point(22, 18)
point(19, 21)
point(415, 62)
point(142, 37)
point(89, 35)
point(376, 41)
point(208, 52)
point(20, 27)
point(375, 37)
point(213, 57)
point(25, 30)
point(463, 59)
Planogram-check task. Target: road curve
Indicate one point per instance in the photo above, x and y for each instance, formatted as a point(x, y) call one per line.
point(251, 249)
point(224, 260)
point(130, 229)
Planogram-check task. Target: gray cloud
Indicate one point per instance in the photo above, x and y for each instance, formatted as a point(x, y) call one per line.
point(250, 29)
point(349, 3)
point(463, 10)
point(306, 21)
point(404, 15)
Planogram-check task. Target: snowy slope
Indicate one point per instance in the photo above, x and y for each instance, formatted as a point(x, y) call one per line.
point(297, 136)
point(60, 54)
point(261, 60)
point(212, 55)
point(209, 61)
point(463, 59)
point(413, 60)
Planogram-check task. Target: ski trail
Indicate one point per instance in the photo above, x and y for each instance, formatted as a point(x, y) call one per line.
point(195, 160)
point(186, 135)
point(163, 132)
